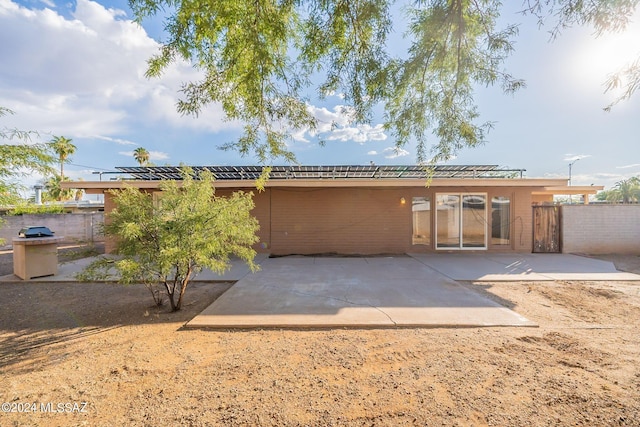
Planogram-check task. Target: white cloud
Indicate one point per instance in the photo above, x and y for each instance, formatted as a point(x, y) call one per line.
point(341, 115)
point(628, 166)
point(158, 155)
point(336, 125)
point(606, 179)
point(395, 152)
point(360, 133)
point(372, 153)
point(118, 141)
point(575, 157)
point(299, 135)
point(84, 76)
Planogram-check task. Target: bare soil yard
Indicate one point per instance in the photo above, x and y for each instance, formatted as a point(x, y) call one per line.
point(133, 364)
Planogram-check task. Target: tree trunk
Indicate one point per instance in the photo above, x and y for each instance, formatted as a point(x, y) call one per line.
point(183, 288)
point(170, 295)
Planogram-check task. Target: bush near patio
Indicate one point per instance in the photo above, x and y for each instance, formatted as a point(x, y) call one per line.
point(164, 243)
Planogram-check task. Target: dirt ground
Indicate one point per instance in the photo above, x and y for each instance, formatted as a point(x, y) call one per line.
point(101, 355)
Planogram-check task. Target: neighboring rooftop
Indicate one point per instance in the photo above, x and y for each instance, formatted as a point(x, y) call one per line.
point(155, 173)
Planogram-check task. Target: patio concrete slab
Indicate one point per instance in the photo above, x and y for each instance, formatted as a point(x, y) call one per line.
point(492, 267)
point(351, 292)
point(402, 291)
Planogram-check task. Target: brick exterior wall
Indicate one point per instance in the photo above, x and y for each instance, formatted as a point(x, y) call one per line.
point(362, 220)
point(522, 221)
point(601, 229)
point(261, 211)
point(371, 220)
point(341, 220)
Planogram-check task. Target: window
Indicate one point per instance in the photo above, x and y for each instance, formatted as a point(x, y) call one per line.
point(448, 221)
point(421, 208)
point(500, 220)
point(461, 221)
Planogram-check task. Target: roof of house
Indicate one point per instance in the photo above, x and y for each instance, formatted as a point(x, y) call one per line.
point(149, 177)
point(238, 173)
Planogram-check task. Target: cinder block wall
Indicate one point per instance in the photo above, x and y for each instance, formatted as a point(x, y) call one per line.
point(601, 229)
point(74, 227)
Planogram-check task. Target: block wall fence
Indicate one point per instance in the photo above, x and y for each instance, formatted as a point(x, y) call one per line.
point(74, 227)
point(601, 229)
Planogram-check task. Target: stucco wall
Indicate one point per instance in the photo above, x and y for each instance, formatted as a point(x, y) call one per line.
point(600, 229)
point(74, 227)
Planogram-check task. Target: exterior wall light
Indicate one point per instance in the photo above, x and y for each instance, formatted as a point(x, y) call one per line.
point(402, 201)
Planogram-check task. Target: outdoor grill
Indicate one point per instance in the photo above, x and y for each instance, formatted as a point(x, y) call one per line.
point(37, 231)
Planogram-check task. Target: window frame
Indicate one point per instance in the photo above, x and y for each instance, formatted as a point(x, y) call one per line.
point(429, 199)
point(461, 247)
point(510, 224)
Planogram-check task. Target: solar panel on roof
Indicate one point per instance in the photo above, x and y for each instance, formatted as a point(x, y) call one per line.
point(149, 173)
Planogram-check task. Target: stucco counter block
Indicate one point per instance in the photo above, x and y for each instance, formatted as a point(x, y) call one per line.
point(35, 257)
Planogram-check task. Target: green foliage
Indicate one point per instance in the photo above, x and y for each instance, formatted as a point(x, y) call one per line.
point(18, 158)
point(261, 58)
point(54, 192)
point(142, 156)
point(603, 15)
point(63, 148)
point(625, 191)
point(627, 80)
point(31, 209)
point(166, 241)
point(455, 48)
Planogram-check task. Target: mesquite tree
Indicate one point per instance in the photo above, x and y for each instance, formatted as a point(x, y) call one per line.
point(164, 240)
point(19, 157)
point(263, 59)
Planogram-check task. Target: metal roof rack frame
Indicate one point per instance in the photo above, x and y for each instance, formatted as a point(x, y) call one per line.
point(399, 172)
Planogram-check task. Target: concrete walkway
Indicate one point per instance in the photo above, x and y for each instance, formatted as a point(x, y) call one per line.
point(492, 267)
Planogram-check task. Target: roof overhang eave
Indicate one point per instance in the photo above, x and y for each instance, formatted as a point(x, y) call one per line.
point(566, 190)
point(543, 186)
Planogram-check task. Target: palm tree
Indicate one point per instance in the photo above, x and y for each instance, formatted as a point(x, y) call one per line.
point(626, 191)
point(63, 148)
point(54, 191)
point(141, 155)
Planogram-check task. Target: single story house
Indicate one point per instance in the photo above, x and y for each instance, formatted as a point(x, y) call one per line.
point(375, 209)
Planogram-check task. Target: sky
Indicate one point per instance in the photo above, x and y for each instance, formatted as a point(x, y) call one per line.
point(77, 69)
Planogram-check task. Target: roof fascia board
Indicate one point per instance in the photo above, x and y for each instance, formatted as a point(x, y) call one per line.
point(339, 183)
point(566, 190)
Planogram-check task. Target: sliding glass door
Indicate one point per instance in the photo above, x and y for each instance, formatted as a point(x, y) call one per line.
point(461, 221)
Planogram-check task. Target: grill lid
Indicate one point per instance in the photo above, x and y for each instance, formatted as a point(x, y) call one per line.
point(37, 231)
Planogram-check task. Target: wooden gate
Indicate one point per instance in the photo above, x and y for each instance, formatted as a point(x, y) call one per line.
point(546, 229)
